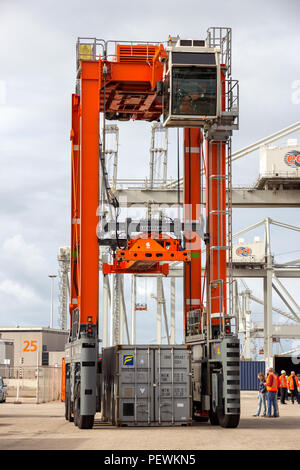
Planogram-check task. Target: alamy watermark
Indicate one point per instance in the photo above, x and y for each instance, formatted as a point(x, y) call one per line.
point(192, 225)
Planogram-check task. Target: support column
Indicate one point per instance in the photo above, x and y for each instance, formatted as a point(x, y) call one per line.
point(191, 213)
point(158, 316)
point(133, 311)
point(111, 316)
point(105, 313)
point(268, 344)
point(116, 310)
point(172, 329)
point(122, 312)
point(236, 306)
point(75, 207)
point(88, 249)
point(163, 304)
point(216, 215)
point(268, 320)
point(247, 337)
point(89, 193)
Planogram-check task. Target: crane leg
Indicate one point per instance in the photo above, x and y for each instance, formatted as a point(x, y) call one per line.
point(216, 386)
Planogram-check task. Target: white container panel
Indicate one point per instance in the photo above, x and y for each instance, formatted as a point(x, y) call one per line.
point(249, 253)
point(280, 161)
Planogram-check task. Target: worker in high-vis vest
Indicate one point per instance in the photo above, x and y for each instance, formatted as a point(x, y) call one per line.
point(283, 381)
point(272, 387)
point(293, 385)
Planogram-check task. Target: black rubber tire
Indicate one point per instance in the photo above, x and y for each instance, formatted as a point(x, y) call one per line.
point(67, 411)
point(86, 421)
point(201, 419)
point(70, 416)
point(213, 418)
point(82, 421)
point(76, 411)
point(227, 421)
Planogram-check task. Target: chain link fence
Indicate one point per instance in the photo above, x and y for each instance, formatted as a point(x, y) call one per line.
point(42, 383)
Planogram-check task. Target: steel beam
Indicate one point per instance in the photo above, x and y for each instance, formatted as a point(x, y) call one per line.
point(286, 331)
point(240, 272)
point(241, 198)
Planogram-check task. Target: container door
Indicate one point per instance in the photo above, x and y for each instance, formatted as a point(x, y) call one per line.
point(172, 386)
point(135, 386)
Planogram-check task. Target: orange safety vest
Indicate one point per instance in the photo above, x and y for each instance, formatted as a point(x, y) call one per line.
point(283, 381)
point(271, 383)
point(291, 382)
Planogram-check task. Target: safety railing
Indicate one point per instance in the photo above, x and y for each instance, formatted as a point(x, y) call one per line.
point(92, 48)
point(231, 95)
point(221, 38)
point(227, 321)
point(196, 324)
point(143, 184)
point(201, 324)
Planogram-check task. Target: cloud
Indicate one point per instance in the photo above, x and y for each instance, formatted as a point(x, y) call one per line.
point(37, 79)
point(21, 295)
point(26, 256)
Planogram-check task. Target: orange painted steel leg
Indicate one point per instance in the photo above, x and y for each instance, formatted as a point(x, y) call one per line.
point(216, 213)
point(89, 193)
point(75, 206)
point(192, 210)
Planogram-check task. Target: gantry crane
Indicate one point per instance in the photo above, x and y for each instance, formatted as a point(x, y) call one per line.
point(186, 84)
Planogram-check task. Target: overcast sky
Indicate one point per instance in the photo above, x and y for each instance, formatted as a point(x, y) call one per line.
point(37, 77)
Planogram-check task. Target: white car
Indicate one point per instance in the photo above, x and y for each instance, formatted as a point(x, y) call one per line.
point(3, 391)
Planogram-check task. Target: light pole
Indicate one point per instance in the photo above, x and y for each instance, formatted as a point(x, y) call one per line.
point(52, 276)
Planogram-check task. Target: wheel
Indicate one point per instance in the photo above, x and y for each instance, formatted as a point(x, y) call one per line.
point(201, 419)
point(71, 414)
point(67, 404)
point(76, 410)
point(213, 417)
point(86, 422)
point(82, 421)
point(68, 409)
point(227, 421)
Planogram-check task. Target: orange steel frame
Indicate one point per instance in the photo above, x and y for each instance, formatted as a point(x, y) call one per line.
point(193, 141)
point(144, 254)
point(85, 197)
point(128, 87)
point(216, 220)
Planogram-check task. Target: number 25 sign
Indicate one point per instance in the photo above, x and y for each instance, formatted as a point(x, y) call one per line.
point(30, 346)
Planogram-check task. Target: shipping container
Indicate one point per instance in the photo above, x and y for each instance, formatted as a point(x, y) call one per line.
point(147, 385)
point(249, 371)
point(249, 253)
point(281, 164)
point(287, 363)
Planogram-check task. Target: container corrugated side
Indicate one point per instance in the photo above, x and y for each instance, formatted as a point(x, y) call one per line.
point(248, 374)
point(152, 385)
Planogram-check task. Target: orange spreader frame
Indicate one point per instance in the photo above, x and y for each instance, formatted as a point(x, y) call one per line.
point(144, 254)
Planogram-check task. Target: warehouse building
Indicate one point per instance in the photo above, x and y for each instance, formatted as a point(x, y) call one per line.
point(32, 346)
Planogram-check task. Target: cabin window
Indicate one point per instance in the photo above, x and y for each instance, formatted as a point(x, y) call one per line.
point(194, 91)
